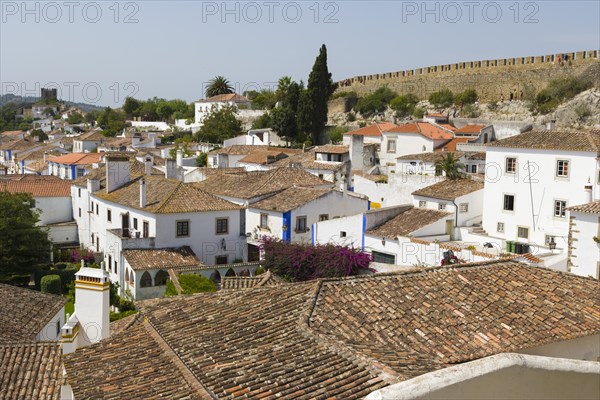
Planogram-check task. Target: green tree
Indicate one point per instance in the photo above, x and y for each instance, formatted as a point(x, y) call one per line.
point(164, 110)
point(319, 88)
point(283, 86)
point(201, 160)
point(262, 122)
point(218, 85)
point(442, 98)
point(75, 118)
point(336, 135)
point(376, 102)
point(39, 133)
point(219, 125)
point(111, 121)
point(450, 166)
point(469, 96)
point(51, 284)
point(263, 100)
point(404, 105)
point(284, 122)
point(131, 107)
point(23, 244)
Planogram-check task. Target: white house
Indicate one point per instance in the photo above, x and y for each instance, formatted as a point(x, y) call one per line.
point(461, 197)
point(531, 180)
point(74, 165)
point(412, 138)
point(584, 239)
point(117, 210)
point(203, 108)
point(88, 142)
point(371, 134)
point(291, 214)
point(231, 156)
point(256, 137)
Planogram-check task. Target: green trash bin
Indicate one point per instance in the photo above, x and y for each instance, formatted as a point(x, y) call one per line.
point(513, 247)
point(510, 246)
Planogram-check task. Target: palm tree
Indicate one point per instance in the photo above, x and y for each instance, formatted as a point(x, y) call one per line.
point(450, 166)
point(218, 85)
point(283, 86)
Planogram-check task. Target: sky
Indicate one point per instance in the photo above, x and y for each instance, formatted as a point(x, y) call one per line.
point(99, 52)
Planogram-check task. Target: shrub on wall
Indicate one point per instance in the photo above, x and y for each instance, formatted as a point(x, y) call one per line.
point(51, 284)
point(190, 284)
point(404, 105)
point(301, 262)
point(443, 98)
point(469, 96)
point(375, 102)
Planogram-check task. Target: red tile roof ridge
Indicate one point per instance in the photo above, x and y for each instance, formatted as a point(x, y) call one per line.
point(191, 379)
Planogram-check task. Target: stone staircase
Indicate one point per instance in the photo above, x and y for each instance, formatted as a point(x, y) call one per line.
point(477, 229)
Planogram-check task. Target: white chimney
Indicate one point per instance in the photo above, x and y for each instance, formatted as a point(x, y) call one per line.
point(356, 152)
point(171, 169)
point(152, 137)
point(148, 165)
point(179, 158)
point(117, 171)
point(90, 322)
point(93, 185)
point(550, 125)
point(142, 193)
point(589, 191)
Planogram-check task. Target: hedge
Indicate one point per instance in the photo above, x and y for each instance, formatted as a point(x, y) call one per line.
point(67, 276)
point(51, 284)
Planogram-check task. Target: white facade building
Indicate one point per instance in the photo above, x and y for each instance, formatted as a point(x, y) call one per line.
point(203, 108)
point(584, 239)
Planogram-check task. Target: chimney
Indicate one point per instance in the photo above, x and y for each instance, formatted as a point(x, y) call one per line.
point(117, 171)
point(152, 137)
point(356, 152)
point(148, 165)
point(142, 193)
point(588, 191)
point(171, 169)
point(93, 185)
point(551, 125)
point(179, 158)
point(91, 320)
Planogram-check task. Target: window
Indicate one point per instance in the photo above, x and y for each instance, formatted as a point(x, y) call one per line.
point(79, 192)
point(161, 278)
point(509, 202)
point(320, 176)
point(384, 258)
point(115, 265)
point(324, 217)
point(80, 211)
point(342, 233)
point(222, 226)
point(183, 228)
point(500, 227)
point(472, 168)
point(422, 203)
point(109, 262)
point(97, 209)
point(220, 260)
point(80, 172)
point(559, 208)
point(135, 224)
point(441, 207)
point(391, 146)
point(463, 207)
point(511, 165)
point(108, 215)
point(92, 210)
point(146, 226)
point(548, 239)
point(146, 280)
point(264, 221)
point(57, 327)
point(562, 168)
point(522, 232)
point(300, 224)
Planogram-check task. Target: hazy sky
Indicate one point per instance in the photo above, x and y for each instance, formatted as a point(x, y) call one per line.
point(99, 52)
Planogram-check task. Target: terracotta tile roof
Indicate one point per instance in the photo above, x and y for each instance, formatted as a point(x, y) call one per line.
point(429, 157)
point(30, 371)
point(335, 338)
point(77, 158)
point(37, 166)
point(480, 155)
point(248, 282)
point(374, 130)
point(470, 129)
point(166, 196)
point(450, 189)
point(332, 149)
point(30, 311)
point(371, 177)
point(129, 365)
point(248, 185)
point(12, 133)
point(37, 185)
point(453, 315)
point(291, 198)
point(567, 140)
point(407, 222)
point(17, 144)
point(246, 149)
point(136, 169)
point(591, 208)
point(451, 145)
point(91, 136)
point(263, 157)
point(227, 97)
point(448, 127)
point(142, 259)
point(426, 129)
point(307, 160)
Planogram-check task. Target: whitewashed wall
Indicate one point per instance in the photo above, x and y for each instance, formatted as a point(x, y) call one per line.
point(585, 254)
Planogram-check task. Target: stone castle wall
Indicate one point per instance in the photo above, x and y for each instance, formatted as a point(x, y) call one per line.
point(490, 78)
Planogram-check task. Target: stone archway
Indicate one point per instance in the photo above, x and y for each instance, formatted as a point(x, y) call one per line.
point(215, 277)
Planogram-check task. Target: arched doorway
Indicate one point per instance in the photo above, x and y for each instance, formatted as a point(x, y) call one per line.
point(230, 272)
point(215, 277)
point(146, 280)
point(161, 278)
point(245, 272)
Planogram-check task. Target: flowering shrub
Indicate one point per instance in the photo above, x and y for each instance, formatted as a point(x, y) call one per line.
point(78, 254)
point(301, 262)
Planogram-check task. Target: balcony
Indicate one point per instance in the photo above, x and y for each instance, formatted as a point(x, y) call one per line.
point(133, 239)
